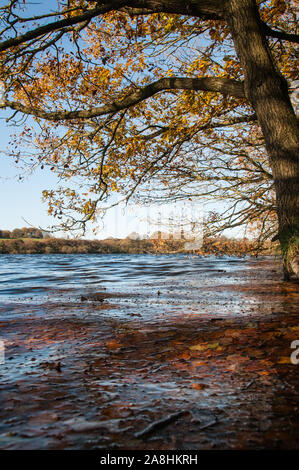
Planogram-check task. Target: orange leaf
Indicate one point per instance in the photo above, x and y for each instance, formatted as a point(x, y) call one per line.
point(199, 386)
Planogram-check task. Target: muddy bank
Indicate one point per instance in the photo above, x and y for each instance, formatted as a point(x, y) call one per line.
point(158, 365)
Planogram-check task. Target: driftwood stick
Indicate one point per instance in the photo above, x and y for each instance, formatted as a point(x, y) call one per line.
point(159, 424)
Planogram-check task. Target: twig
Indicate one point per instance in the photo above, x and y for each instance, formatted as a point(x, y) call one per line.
point(211, 423)
point(159, 424)
point(248, 385)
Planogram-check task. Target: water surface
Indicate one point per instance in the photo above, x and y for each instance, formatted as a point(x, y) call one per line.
point(151, 284)
point(99, 346)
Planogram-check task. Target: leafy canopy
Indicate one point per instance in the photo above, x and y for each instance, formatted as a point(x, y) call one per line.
point(146, 103)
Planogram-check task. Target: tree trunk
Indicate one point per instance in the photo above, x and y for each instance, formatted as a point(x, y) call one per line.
point(267, 91)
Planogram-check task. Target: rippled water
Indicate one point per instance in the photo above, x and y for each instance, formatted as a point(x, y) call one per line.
point(108, 341)
point(22, 275)
point(146, 285)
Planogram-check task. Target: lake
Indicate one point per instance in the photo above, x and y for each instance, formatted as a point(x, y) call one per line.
point(150, 284)
point(99, 347)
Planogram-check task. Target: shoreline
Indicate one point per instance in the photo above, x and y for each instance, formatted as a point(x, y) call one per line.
point(216, 245)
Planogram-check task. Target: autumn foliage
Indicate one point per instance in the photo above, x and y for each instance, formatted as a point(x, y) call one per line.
point(158, 101)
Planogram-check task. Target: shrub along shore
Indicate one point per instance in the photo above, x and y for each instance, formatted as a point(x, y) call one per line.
point(218, 246)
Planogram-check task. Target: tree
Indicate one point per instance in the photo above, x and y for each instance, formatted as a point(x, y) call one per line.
point(17, 233)
point(122, 90)
point(5, 234)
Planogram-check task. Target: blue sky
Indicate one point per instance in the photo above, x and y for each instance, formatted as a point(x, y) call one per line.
point(21, 201)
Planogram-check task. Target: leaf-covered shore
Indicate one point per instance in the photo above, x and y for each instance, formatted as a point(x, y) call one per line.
point(215, 374)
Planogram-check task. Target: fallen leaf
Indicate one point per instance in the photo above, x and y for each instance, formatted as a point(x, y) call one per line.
point(284, 360)
point(199, 386)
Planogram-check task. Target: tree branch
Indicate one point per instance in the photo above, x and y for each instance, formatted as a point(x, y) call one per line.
point(205, 9)
point(225, 86)
point(211, 125)
point(280, 34)
point(57, 25)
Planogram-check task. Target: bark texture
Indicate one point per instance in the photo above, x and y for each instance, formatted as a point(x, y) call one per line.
point(267, 91)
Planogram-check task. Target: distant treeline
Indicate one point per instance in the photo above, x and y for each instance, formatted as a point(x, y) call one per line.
point(25, 232)
point(218, 246)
